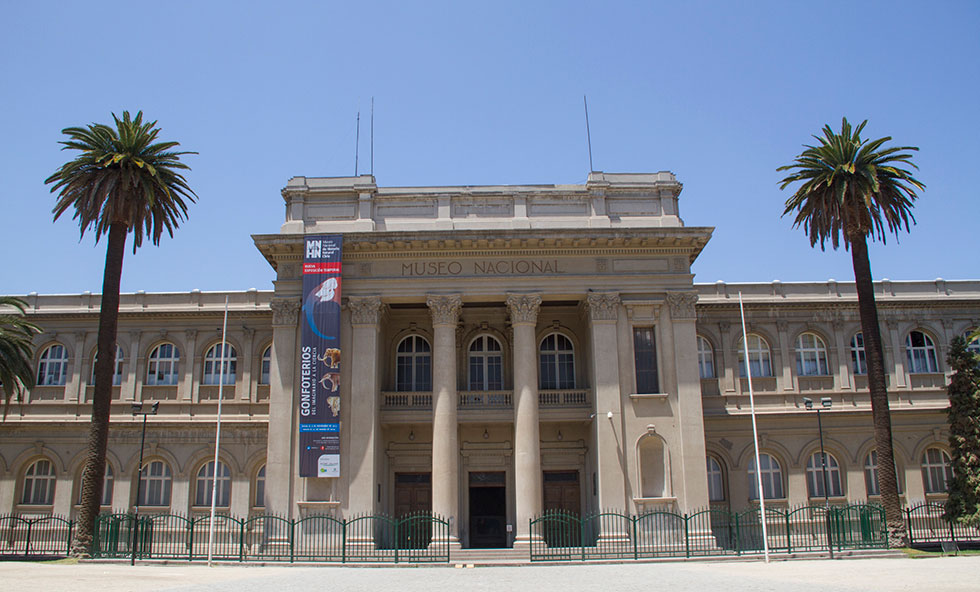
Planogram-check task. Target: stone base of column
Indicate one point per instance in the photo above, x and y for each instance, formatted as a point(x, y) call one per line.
point(524, 541)
point(451, 540)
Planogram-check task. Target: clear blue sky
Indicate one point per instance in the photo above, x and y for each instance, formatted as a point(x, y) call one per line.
point(720, 93)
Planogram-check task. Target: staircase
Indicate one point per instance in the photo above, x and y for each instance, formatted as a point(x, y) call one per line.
point(490, 557)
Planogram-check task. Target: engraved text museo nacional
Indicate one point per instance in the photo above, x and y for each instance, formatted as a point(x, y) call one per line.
point(485, 267)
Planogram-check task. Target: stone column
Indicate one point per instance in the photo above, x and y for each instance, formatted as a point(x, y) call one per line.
point(135, 374)
point(281, 451)
point(603, 310)
point(362, 369)
point(445, 436)
point(898, 355)
point(693, 471)
point(788, 358)
point(529, 498)
point(186, 365)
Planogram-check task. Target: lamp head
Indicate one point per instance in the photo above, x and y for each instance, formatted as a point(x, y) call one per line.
point(808, 402)
point(136, 407)
point(154, 408)
point(826, 402)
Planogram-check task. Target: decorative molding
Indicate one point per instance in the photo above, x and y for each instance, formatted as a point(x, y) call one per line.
point(444, 309)
point(682, 305)
point(523, 308)
point(285, 311)
point(365, 310)
point(603, 306)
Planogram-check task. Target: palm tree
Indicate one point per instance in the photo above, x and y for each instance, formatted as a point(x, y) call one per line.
point(16, 350)
point(123, 180)
point(853, 189)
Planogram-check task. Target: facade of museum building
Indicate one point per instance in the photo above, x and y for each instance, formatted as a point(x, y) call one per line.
point(506, 350)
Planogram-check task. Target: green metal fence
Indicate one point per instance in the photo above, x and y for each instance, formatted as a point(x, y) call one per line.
point(559, 535)
point(927, 525)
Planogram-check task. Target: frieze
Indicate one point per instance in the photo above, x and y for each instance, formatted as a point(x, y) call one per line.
point(482, 267)
point(523, 308)
point(603, 306)
point(682, 305)
point(365, 310)
point(285, 311)
point(445, 309)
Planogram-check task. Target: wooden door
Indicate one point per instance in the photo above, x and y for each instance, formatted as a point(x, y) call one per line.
point(562, 491)
point(413, 493)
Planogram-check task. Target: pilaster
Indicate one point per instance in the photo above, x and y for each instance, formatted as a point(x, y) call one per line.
point(282, 416)
point(363, 363)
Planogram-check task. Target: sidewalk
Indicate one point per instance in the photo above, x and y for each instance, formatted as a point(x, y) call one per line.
point(954, 574)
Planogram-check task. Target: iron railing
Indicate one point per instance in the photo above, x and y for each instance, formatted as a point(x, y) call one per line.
point(927, 525)
point(560, 535)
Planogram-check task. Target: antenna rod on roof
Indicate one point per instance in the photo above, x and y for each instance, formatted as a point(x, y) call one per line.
point(372, 136)
point(357, 140)
point(588, 132)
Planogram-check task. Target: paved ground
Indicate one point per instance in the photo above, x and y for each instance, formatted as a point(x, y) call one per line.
point(872, 575)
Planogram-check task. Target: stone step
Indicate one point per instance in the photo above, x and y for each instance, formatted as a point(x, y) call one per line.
point(489, 556)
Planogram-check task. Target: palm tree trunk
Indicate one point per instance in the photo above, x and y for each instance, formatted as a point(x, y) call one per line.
point(93, 478)
point(874, 353)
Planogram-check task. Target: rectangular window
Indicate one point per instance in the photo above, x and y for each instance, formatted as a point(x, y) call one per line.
point(645, 360)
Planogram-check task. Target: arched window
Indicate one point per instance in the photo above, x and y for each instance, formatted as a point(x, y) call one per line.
point(486, 364)
point(162, 367)
point(39, 481)
point(52, 367)
point(716, 480)
point(413, 365)
point(815, 476)
point(936, 470)
point(921, 353)
point(859, 362)
point(706, 358)
point(106, 487)
point(972, 345)
point(213, 360)
point(653, 467)
point(871, 474)
point(557, 363)
point(266, 366)
point(772, 478)
point(760, 360)
point(259, 498)
point(117, 371)
point(155, 484)
point(205, 480)
point(811, 356)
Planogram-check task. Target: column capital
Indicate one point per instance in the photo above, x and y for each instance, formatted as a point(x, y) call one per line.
point(603, 306)
point(445, 309)
point(523, 308)
point(285, 311)
point(682, 305)
point(365, 310)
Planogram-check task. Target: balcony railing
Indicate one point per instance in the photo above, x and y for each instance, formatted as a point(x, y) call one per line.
point(475, 400)
point(564, 398)
point(486, 399)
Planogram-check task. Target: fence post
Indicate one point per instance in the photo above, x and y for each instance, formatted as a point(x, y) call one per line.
point(27, 545)
point(789, 538)
point(633, 521)
point(190, 547)
point(241, 541)
point(343, 541)
point(398, 542)
point(292, 539)
point(908, 521)
point(687, 537)
point(738, 537)
point(71, 527)
point(581, 531)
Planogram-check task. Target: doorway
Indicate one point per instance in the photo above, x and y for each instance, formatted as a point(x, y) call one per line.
point(562, 491)
point(488, 510)
point(413, 493)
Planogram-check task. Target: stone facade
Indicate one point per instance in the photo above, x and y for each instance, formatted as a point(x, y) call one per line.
point(511, 349)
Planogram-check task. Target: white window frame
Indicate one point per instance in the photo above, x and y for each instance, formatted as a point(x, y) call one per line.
point(204, 481)
point(117, 371)
point(772, 478)
point(258, 498)
point(163, 365)
point(716, 480)
point(811, 355)
point(814, 476)
point(937, 470)
point(212, 360)
point(561, 355)
point(52, 366)
point(485, 359)
point(871, 475)
point(859, 358)
point(40, 480)
point(706, 358)
point(156, 484)
point(265, 365)
point(921, 358)
point(414, 354)
point(760, 357)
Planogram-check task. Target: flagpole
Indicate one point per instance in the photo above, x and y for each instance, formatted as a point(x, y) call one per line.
point(755, 432)
point(217, 434)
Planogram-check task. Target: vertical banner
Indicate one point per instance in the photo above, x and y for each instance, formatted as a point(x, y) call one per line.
point(319, 388)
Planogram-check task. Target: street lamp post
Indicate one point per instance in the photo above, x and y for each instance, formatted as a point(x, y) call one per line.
point(138, 410)
point(825, 402)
